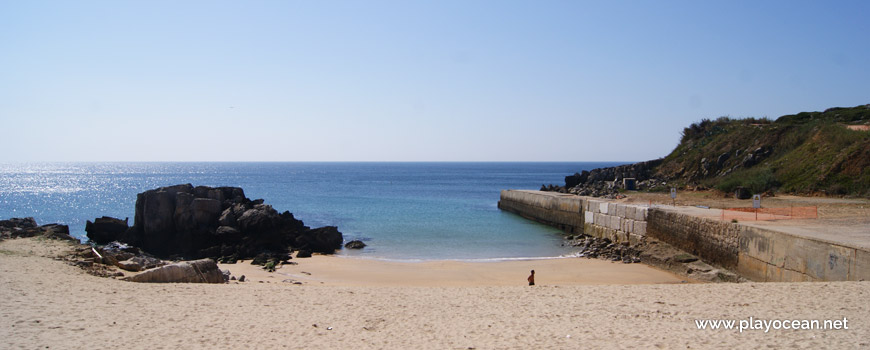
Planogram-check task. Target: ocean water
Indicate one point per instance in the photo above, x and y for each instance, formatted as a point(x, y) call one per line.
point(403, 211)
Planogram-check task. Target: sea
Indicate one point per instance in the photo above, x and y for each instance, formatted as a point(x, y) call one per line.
point(402, 211)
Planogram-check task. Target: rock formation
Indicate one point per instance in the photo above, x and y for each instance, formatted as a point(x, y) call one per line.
point(220, 223)
point(355, 244)
point(27, 227)
point(105, 229)
point(197, 271)
point(606, 182)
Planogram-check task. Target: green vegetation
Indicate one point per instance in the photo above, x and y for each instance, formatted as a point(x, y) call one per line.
point(809, 152)
point(756, 179)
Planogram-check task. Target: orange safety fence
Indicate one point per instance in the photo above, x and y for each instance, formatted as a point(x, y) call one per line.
point(786, 213)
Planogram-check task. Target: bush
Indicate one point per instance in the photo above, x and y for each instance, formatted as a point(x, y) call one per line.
point(757, 180)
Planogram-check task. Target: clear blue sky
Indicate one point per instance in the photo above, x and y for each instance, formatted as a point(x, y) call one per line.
point(410, 80)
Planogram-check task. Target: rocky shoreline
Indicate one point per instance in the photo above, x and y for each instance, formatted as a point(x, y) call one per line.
point(187, 222)
point(180, 233)
point(606, 182)
point(653, 253)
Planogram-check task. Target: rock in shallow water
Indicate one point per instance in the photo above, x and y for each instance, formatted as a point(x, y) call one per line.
point(355, 244)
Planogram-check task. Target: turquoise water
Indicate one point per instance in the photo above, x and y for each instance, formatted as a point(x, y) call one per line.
point(401, 210)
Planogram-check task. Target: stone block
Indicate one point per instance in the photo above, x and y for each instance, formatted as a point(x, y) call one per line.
point(630, 212)
point(604, 206)
point(611, 208)
point(640, 214)
point(592, 206)
point(620, 210)
point(589, 217)
point(640, 228)
point(634, 239)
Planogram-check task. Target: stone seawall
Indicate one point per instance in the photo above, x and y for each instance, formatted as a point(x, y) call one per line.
point(621, 223)
point(756, 253)
point(711, 240)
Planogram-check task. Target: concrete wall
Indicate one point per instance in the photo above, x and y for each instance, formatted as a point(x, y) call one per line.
point(755, 253)
point(766, 255)
point(712, 241)
point(574, 214)
point(562, 211)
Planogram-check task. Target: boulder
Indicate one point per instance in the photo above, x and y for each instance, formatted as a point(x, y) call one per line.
point(147, 262)
point(355, 244)
point(720, 161)
point(260, 218)
point(321, 240)
point(228, 233)
point(129, 265)
point(228, 218)
point(197, 271)
point(57, 231)
point(106, 229)
point(156, 210)
point(189, 222)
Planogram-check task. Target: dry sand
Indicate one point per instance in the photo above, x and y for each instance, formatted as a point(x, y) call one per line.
point(46, 303)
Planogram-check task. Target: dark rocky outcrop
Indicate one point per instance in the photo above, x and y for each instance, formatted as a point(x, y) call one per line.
point(105, 229)
point(606, 182)
point(197, 271)
point(27, 227)
point(184, 221)
point(321, 240)
point(355, 244)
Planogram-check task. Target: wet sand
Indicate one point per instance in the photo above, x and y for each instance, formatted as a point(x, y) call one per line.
point(342, 271)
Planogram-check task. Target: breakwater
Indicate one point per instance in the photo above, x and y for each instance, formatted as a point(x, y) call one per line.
point(755, 253)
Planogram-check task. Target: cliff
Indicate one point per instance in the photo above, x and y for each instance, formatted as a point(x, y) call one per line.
point(806, 153)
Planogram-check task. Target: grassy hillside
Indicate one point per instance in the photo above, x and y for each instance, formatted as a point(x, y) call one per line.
point(809, 152)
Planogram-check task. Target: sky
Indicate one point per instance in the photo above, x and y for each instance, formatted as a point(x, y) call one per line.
point(410, 80)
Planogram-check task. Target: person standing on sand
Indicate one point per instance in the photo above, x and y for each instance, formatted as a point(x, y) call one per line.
point(532, 278)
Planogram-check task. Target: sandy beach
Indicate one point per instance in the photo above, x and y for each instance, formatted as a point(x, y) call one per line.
point(343, 271)
point(46, 303)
